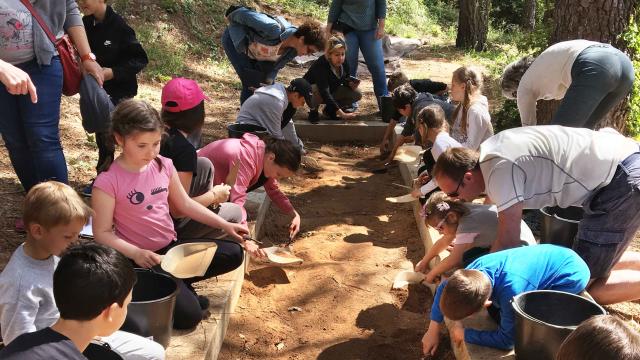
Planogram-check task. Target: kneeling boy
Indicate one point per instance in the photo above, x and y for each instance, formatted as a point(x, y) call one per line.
point(54, 214)
point(492, 281)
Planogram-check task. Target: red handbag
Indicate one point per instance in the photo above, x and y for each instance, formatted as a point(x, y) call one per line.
point(68, 54)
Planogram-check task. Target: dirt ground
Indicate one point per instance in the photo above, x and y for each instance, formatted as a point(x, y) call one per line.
point(338, 304)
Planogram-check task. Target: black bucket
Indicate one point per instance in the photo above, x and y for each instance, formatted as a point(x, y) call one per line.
point(150, 312)
point(386, 108)
point(544, 318)
point(237, 130)
point(560, 225)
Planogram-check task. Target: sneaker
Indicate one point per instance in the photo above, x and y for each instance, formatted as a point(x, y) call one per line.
point(310, 164)
point(314, 116)
point(86, 192)
point(349, 110)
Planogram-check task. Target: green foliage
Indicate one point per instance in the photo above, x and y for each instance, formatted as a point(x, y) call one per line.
point(632, 38)
point(410, 18)
point(315, 9)
point(506, 117)
point(166, 58)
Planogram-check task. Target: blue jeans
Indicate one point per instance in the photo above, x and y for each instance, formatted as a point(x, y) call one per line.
point(31, 131)
point(611, 219)
point(371, 48)
point(251, 72)
point(601, 77)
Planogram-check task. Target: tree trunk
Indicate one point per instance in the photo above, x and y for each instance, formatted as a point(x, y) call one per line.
point(529, 15)
point(473, 24)
point(597, 20)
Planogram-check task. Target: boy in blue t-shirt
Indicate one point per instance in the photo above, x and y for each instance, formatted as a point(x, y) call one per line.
point(493, 280)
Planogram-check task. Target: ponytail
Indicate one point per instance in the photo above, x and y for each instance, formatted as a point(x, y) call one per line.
point(439, 205)
point(472, 79)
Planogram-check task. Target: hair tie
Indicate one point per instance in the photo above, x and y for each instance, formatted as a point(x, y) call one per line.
point(443, 206)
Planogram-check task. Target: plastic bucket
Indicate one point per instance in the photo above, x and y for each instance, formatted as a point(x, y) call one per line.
point(237, 130)
point(544, 318)
point(560, 225)
point(386, 108)
point(150, 312)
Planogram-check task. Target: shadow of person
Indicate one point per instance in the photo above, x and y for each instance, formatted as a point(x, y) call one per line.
point(396, 335)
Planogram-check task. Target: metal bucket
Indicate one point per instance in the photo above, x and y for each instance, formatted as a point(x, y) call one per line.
point(237, 130)
point(544, 318)
point(560, 225)
point(150, 312)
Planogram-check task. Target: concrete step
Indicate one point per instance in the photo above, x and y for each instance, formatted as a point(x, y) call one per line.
point(334, 131)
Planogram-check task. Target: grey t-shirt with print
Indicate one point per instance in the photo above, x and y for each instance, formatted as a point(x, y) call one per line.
point(16, 32)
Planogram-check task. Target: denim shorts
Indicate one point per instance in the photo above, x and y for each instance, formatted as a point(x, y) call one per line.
point(611, 219)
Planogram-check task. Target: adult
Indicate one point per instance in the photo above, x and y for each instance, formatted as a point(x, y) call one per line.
point(408, 102)
point(331, 83)
point(122, 57)
point(273, 107)
point(259, 163)
point(590, 78)
point(259, 45)
point(362, 23)
point(31, 73)
point(537, 166)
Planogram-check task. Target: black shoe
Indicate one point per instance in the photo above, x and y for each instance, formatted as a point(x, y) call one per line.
point(204, 302)
point(314, 116)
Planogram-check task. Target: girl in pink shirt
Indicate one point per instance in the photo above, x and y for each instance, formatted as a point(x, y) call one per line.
point(134, 197)
point(260, 163)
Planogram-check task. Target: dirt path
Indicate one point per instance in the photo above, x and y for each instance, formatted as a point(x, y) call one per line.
point(353, 243)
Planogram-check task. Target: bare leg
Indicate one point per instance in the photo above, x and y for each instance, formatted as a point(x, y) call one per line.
point(623, 284)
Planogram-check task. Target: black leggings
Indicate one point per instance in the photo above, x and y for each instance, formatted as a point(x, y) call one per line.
point(187, 313)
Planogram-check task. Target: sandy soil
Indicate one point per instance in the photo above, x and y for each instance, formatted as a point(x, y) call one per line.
point(353, 243)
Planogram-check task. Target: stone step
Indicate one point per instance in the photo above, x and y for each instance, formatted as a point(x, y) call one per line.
point(331, 131)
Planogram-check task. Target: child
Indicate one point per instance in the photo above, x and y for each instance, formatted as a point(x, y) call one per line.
point(260, 162)
point(493, 280)
point(329, 77)
point(259, 45)
point(601, 337)
point(409, 103)
point(122, 57)
point(54, 214)
point(135, 196)
point(92, 287)
point(183, 115)
point(471, 119)
point(433, 128)
point(273, 106)
point(471, 229)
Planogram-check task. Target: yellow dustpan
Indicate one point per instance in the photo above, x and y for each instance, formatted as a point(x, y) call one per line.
point(189, 260)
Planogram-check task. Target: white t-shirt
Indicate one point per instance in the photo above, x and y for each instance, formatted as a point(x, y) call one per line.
point(548, 77)
point(550, 165)
point(479, 126)
point(442, 142)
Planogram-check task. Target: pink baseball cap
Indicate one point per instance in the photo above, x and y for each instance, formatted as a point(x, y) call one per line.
point(181, 94)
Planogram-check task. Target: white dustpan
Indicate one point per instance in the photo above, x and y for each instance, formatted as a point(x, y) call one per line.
point(281, 255)
point(407, 277)
point(189, 260)
point(408, 153)
point(401, 199)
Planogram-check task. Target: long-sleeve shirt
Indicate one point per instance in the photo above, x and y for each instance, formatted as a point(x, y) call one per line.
point(548, 77)
point(479, 126)
point(321, 74)
point(249, 152)
point(514, 271)
point(358, 14)
point(247, 26)
point(115, 45)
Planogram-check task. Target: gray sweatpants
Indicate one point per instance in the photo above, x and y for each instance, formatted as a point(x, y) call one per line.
point(601, 77)
point(187, 228)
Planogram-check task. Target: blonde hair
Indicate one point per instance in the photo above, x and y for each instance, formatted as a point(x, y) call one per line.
point(472, 79)
point(465, 293)
point(53, 203)
point(439, 204)
point(335, 42)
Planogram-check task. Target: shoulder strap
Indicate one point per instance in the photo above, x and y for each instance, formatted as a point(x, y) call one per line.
point(282, 28)
point(39, 19)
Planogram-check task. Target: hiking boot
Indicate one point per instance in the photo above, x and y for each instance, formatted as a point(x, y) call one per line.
point(314, 116)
